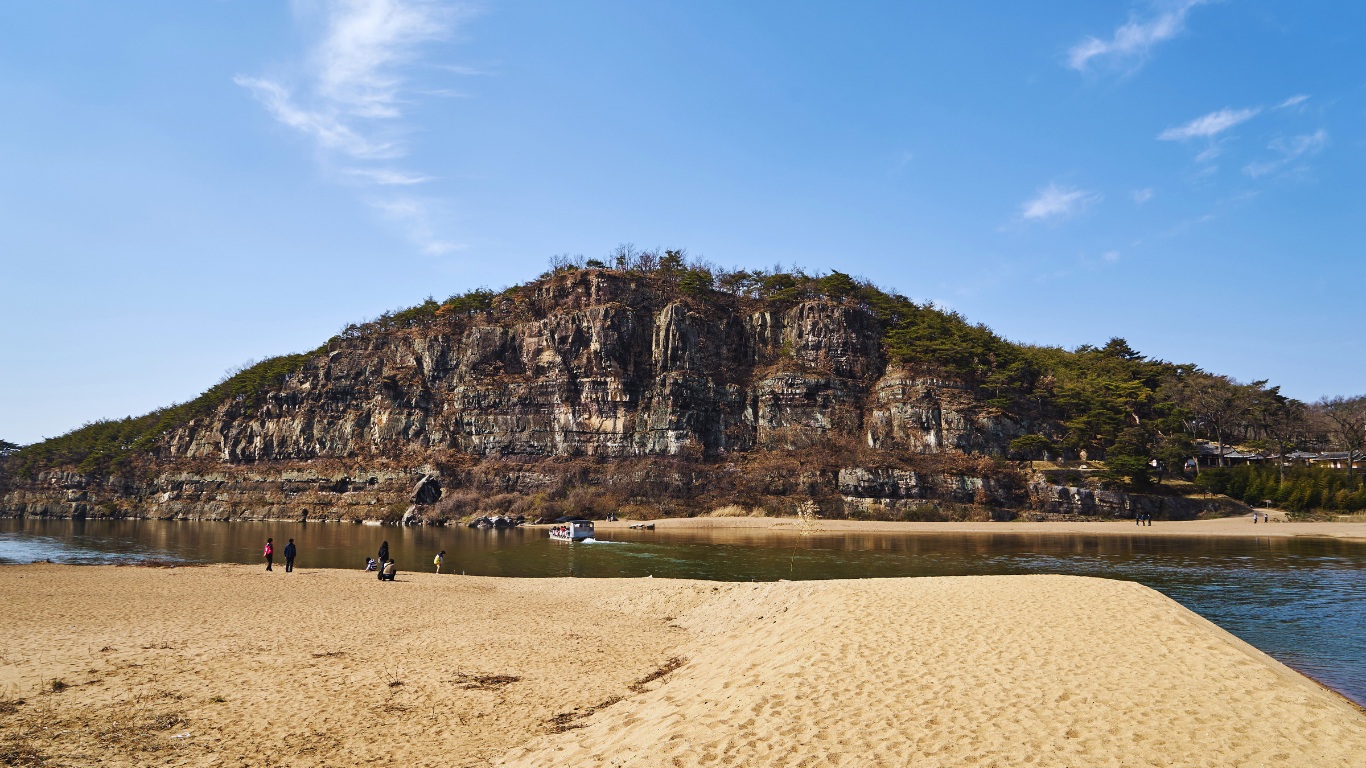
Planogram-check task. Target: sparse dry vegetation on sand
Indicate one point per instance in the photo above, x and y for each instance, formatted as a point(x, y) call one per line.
point(232, 665)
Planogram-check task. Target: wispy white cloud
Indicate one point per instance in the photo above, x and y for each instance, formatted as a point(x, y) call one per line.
point(1055, 203)
point(1134, 40)
point(1209, 126)
point(354, 90)
point(1293, 101)
point(367, 41)
point(1290, 150)
point(1110, 257)
point(1141, 196)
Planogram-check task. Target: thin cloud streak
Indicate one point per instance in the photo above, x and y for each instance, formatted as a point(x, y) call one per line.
point(327, 128)
point(387, 177)
point(1290, 150)
point(1134, 40)
point(1055, 203)
point(415, 217)
point(1208, 126)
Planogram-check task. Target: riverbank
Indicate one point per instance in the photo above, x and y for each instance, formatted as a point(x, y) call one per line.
point(1225, 526)
point(230, 664)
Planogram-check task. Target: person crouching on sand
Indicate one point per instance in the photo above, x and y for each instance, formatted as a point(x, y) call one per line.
point(439, 559)
point(388, 572)
point(269, 553)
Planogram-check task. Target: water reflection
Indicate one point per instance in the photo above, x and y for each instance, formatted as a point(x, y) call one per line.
point(1299, 599)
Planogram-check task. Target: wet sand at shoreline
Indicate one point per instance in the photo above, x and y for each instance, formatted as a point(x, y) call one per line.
point(230, 665)
point(1227, 526)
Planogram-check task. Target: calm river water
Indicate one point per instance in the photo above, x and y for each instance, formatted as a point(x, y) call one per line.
point(1302, 600)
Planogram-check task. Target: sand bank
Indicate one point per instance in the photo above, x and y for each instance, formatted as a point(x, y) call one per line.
point(229, 665)
point(1228, 526)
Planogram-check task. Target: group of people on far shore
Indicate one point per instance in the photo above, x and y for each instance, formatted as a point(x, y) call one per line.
point(388, 569)
point(384, 565)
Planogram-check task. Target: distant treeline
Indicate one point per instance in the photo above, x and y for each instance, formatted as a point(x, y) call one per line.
point(1302, 489)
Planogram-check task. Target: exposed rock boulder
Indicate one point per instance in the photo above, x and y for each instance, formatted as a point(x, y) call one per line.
point(427, 491)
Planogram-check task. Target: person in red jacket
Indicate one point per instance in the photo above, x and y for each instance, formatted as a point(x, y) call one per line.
point(269, 553)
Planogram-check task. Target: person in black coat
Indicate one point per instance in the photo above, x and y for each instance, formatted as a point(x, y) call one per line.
point(290, 552)
point(383, 558)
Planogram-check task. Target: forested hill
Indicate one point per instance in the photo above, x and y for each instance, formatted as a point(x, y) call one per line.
point(651, 354)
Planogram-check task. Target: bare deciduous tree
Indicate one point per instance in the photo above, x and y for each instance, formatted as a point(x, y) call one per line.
point(1218, 404)
point(1285, 422)
point(1347, 419)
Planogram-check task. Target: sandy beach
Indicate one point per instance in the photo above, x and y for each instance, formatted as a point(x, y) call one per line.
point(230, 665)
point(1226, 526)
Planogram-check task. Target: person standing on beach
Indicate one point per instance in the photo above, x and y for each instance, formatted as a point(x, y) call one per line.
point(438, 560)
point(383, 554)
point(290, 552)
point(269, 553)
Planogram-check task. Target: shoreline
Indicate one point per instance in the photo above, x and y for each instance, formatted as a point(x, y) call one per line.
point(1240, 526)
point(1218, 527)
point(206, 665)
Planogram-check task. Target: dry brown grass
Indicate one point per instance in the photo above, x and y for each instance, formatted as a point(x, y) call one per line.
point(484, 682)
point(641, 685)
point(735, 510)
point(568, 721)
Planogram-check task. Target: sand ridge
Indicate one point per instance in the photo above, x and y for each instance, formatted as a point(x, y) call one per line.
point(229, 665)
point(955, 671)
point(1239, 527)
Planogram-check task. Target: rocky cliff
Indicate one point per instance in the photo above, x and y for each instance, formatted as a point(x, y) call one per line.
point(594, 388)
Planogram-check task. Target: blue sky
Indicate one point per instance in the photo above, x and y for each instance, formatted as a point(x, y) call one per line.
point(187, 186)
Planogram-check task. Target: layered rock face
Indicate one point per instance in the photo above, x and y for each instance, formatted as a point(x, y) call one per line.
point(604, 372)
point(593, 364)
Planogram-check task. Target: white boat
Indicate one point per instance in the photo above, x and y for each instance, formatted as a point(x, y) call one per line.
point(573, 530)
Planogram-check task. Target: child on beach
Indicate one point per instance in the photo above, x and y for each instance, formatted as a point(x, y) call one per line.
point(439, 559)
point(269, 553)
point(370, 564)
